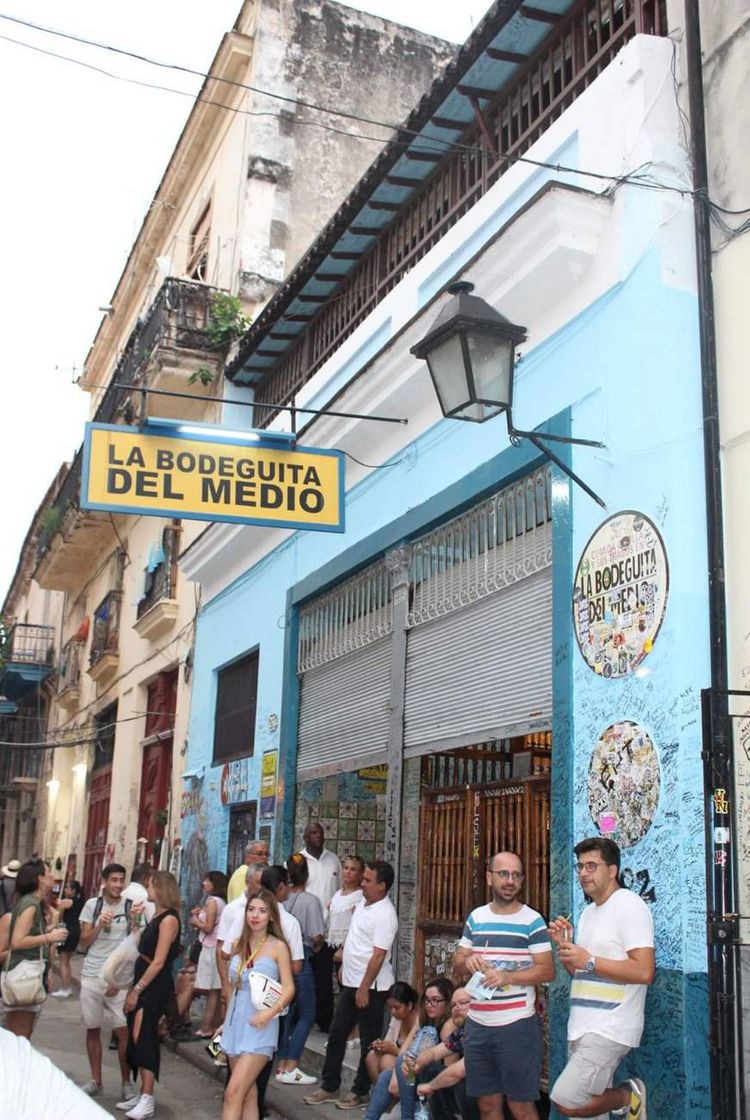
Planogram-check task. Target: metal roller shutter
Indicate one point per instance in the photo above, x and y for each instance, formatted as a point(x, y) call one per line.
point(484, 671)
point(344, 713)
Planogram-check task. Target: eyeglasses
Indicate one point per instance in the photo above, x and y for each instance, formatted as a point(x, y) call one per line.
point(516, 876)
point(434, 1000)
point(590, 866)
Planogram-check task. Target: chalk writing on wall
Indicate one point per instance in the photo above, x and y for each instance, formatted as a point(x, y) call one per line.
point(624, 782)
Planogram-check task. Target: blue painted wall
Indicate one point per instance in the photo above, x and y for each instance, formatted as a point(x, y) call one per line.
point(625, 371)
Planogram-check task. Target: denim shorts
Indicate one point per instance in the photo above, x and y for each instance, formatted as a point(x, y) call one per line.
point(505, 1060)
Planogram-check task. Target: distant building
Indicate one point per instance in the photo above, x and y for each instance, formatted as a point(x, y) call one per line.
point(256, 171)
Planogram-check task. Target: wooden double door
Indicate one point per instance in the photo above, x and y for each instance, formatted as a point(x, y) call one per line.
point(459, 830)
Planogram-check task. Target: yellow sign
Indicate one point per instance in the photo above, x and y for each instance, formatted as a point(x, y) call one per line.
point(268, 783)
point(165, 473)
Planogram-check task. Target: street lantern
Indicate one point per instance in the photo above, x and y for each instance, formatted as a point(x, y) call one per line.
point(470, 352)
point(471, 355)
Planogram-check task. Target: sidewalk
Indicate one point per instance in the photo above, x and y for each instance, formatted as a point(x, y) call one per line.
point(284, 1101)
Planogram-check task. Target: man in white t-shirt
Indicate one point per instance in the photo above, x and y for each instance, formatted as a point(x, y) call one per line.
point(612, 964)
point(104, 926)
point(366, 976)
point(324, 879)
point(227, 923)
point(137, 890)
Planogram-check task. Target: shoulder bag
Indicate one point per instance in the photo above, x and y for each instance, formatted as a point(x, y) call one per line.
point(23, 984)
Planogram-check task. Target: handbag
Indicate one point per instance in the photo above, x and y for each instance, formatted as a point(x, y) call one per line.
point(119, 968)
point(23, 984)
point(264, 992)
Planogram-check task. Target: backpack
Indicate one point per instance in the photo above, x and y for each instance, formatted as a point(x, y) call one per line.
point(100, 906)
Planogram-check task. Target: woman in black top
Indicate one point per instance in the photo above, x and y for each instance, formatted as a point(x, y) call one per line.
point(153, 987)
point(71, 918)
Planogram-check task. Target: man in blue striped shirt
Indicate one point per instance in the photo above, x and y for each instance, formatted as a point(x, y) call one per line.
point(503, 1040)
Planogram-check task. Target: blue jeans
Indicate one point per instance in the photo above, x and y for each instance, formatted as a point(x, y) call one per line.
point(407, 1093)
point(380, 1098)
point(301, 1016)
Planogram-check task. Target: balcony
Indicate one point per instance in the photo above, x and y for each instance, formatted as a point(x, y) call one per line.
point(69, 676)
point(21, 766)
point(104, 656)
point(166, 347)
point(157, 610)
point(29, 658)
point(455, 146)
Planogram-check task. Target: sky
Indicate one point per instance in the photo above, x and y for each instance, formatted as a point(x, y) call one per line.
point(82, 154)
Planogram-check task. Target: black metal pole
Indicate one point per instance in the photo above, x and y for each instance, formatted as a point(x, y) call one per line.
point(261, 404)
point(718, 746)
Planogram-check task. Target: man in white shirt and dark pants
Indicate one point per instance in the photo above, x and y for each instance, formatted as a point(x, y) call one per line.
point(366, 976)
point(324, 879)
point(611, 961)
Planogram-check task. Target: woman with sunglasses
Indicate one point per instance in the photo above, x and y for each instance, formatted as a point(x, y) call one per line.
point(250, 1034)
point(433, 1026)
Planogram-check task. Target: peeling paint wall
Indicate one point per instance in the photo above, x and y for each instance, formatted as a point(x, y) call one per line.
point(335, 57)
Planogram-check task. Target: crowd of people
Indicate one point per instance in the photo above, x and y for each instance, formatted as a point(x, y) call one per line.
point(274, 949)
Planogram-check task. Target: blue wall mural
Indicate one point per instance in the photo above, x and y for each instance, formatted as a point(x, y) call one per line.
point(625, 371)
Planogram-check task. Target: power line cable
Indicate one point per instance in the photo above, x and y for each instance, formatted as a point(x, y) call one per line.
point(441, 147)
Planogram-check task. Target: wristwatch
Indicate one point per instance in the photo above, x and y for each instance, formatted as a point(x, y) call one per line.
point(590, 965)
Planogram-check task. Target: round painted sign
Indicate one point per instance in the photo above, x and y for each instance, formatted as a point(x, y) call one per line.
point(624, 783)
point(620, 593)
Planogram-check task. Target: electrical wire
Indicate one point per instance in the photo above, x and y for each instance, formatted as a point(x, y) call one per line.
point(434, 144)
point(44, 744)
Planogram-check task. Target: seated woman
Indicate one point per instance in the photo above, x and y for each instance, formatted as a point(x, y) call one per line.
point(433, 1026)
point(402, 1005)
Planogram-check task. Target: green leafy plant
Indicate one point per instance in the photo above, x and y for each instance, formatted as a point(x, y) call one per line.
point(203, 374)
point(227, 321)
point(51, 520)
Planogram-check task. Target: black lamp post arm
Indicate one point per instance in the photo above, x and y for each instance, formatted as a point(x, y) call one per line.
point(536, 438)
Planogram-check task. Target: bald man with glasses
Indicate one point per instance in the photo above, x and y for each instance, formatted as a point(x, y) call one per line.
point(505, 945)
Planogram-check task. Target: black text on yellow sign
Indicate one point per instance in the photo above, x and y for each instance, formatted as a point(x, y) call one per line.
point(207, 478)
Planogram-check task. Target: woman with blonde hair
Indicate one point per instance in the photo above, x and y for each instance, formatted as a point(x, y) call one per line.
point(153, 988)
point(250, 1033)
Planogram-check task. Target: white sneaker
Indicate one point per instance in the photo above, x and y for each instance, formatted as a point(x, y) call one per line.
point(144, 1108)
point(128, 1097)
point(294, 1077)
point(91, 1088)
point(61, 993)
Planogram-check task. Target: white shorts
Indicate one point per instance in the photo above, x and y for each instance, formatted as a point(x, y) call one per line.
point(592, 1061)
point(94, 1003)
point(207, 974)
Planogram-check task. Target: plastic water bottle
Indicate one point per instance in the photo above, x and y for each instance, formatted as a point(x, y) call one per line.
point(422, 1111)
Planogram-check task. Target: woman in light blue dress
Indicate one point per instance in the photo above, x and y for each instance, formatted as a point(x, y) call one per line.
point(250, 1036)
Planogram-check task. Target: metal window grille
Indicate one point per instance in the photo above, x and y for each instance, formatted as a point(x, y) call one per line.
point(502, 540)
point(345, 619)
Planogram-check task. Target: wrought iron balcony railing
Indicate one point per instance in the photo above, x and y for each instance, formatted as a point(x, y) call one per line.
point(69, 675)
point(581, 46)
point(106, 629)
point(178, 319)
point(31, 645)
point(162, 578)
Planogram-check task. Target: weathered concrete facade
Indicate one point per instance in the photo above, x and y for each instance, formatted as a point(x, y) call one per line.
point(252, 176)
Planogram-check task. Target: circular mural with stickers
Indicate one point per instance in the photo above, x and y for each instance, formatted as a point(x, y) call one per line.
point(624, 783)
point(620, 594)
